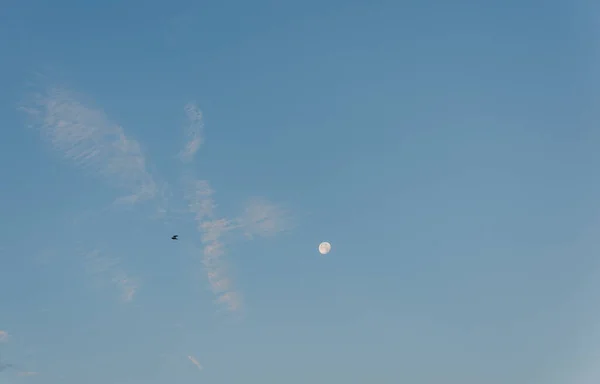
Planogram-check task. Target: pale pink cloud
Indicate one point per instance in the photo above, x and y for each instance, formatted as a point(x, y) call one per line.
point(127, 285)
point(202, 205)
point(199, 196)
point(231, 300)
point(263, 218)
point(195, 362)
point(260, 218)
point(193, 132)
point(28, 373)
point(109, 271)
point(85, 136)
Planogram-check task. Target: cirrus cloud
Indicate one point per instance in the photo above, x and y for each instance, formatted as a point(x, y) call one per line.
point(85, 136)
point(193, 131)
point(259, 218)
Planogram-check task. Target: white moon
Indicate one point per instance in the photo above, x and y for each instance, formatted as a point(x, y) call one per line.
point(324, 248)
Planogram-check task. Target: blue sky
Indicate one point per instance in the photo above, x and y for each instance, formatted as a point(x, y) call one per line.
point(447, 150)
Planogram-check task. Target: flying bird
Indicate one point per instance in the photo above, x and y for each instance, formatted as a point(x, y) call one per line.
point(20, 371)
point(174, 237)
point(3, 366)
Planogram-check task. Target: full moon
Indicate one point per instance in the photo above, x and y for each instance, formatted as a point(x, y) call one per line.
point(324, 248)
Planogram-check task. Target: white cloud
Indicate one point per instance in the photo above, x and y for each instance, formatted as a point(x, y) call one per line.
point(262, 218)
point(193, 132)
point(3, 336)
point(109, 271)
point(85, 136)
point(202, 205)
point(199, 197)
point(195, 362)
point(28, 373)
point(127, 285)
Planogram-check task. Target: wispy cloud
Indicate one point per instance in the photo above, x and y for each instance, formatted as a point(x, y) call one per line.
point(3, 336)
point(85, 136)
point(195, 362)
point(28, 373)
point(193, 132)
point(109, 271)
point(127, 285)
point(201, 204)
point(262, 218)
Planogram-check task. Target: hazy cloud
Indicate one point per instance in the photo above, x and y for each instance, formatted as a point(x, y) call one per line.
point(199, 197)
point(28, 373)
point(262, 218)
point(3, 336)
point(85, 136)
point(109, 271)
point(195, 362)
point(127, 286)
point(202, 205)
point(193, 132)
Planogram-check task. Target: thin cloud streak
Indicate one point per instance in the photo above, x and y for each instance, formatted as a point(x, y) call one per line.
point(195, 362)
point(109, 271)
point(201, 204)
point(86, 137)
point(262, 218)
point(199, 196)
point(193, 131)
point(28, 373)
point(3, 336)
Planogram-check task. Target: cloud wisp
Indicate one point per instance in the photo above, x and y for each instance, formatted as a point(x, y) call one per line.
point(85, 136)
point(193, 132)
point(195, 362)
point(109, 271)
point(3, 336)
point(201, 204)
point(260, 218)
point(263, 218)
point(199, 197)
point(28, 373)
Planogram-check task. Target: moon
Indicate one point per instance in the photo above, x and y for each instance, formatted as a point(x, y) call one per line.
point(324, 248)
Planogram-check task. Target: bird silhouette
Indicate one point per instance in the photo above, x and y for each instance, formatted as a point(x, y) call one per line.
point(3, 366)
point(174, 237)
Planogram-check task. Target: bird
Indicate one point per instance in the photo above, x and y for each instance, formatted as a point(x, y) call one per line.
point(3, 366)
point(174, 237)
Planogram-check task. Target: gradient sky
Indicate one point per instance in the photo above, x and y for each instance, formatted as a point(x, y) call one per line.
point(447, 150)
